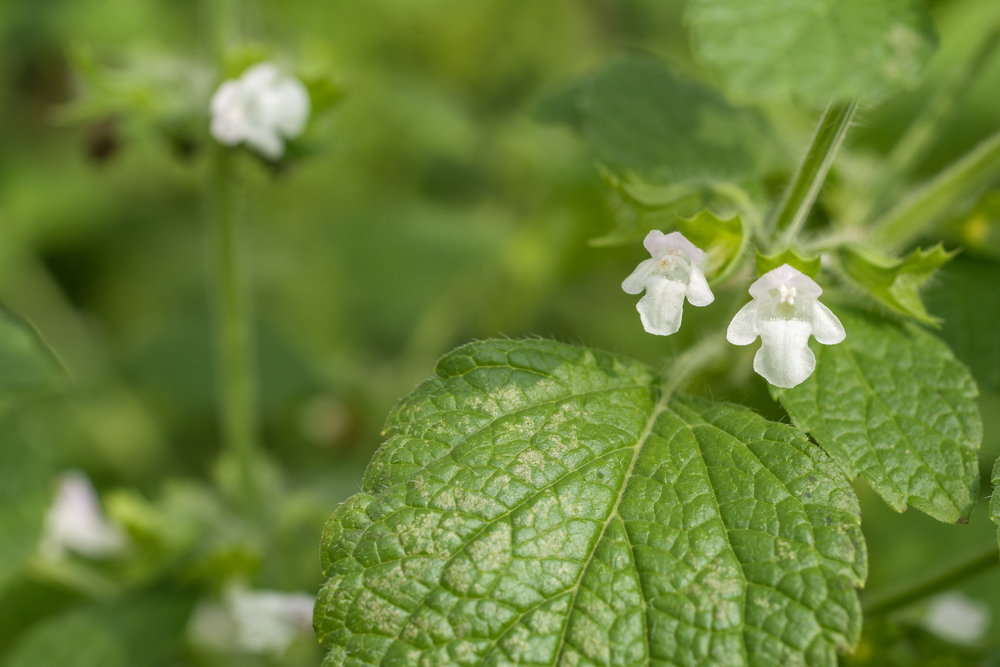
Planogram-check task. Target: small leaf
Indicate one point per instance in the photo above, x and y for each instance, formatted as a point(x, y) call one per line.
point(723, 240)
point(810, 267)
point(638, 115)
point(893, 405)
point(895, 282)
point(813, 49)
point(542, 504)
point(966, 295)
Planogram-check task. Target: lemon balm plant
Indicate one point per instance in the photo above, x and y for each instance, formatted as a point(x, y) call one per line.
point(540, 503)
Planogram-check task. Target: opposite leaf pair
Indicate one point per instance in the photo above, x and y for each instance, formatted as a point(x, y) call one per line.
point(784, 312)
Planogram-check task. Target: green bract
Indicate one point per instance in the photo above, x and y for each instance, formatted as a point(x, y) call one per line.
point(895, 282)
point(723, 240)
point(812, 49)
point(810, 267)
point(893, 405)
point(542, 504)
point(638, 115)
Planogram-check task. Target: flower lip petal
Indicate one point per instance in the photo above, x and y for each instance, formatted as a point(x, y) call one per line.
point(662, 307)
point(743, 329)
point(699, 293)
point(785, 275)
point(784, 358)
point(656, 242)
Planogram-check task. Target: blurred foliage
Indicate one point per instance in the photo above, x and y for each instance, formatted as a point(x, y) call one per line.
point(428, 208)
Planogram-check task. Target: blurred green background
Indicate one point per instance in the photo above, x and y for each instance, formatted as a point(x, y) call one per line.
point(427, 209)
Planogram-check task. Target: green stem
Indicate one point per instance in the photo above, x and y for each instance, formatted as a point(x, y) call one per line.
point(233, 316)
point(916, 214)
point(935, 582)
point(801, 193)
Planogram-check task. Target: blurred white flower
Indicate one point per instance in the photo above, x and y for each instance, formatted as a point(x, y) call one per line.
point(670, 275)
point(262, 108)
point(253, 621)
point(957, 618)
point(784, 313)
point(75, 523)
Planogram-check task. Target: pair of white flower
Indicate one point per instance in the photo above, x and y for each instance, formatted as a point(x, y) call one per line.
point(262, 109)
point(784, 311)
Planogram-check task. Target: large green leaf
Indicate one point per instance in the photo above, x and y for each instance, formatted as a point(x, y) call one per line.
point(543, 504)
point(995, 503)
point(25, 492)
point(892, 404)
point(638, 115)
point(813, 49)
point(27, 366)
point(967, 297)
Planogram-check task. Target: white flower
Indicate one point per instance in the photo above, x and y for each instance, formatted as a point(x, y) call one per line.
point(75, 523)
point(253, 621)
point(668, 277)
point(262, 108)
point(784, 313)
point(957, 618)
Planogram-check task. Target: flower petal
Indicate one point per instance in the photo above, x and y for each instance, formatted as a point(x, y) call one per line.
point(287, 107)
point(827, 329)
point(636, 282)
point(743, 329)
point(656, 241)
point(785, 275)
point(662, 307)
point(265, 141)
point(699, 293)
point(784, 359)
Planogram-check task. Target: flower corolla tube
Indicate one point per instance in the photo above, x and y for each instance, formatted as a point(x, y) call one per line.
point(262, 109)
point(784, 312)
point(670, 275)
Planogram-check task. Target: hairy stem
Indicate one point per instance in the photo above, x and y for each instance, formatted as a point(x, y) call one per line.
point(801, 193)
point(685, 366)
point(929, 584)
point(916, 214)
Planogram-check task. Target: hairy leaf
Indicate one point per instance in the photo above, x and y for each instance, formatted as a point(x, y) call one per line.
point(813, 49)
point(895, 282)
point(995, 502)
point(810, 266)
point(638, 115)
point(967, 297)
point(543, 504)
point(893, 405)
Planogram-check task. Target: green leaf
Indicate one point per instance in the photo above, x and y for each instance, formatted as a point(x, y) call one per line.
point(893, 405)
point(28, 368)
point(538, 504)
point(723, 240)
point(966, 295)
point(638, 115)
point(810, 267)
point(25, 493)
point(895, 282)
point(995, 502)
point(814, 50)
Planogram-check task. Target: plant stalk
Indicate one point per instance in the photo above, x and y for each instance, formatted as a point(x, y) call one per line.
point(692, 361)
point(799, 197)
point(932, 583)
point(232, 320)
point(916, 214)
